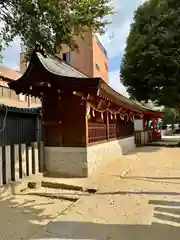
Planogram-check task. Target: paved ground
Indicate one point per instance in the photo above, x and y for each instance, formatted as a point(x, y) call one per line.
point(171, 138)
point(138, 199)
point(23, 216)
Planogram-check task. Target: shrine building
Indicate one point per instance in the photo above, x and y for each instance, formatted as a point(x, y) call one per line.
point(85, 122)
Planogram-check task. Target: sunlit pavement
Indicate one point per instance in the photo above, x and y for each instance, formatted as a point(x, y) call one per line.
point(142, 202)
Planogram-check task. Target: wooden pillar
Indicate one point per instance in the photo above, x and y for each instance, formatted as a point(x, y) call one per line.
point(107, 124)
point(86, 124)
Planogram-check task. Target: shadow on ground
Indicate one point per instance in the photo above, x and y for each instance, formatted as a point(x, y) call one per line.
point(25, 220)
point(97, 231)
point(167, 228)
point(144, 149)
point(23, 216)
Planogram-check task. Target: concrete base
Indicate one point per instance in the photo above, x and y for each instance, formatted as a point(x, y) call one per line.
point(81, 162)
point(108, 152)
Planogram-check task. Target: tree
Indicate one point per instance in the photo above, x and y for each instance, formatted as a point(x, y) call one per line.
point(150, 67)
point(171, 116)
point(50, 22)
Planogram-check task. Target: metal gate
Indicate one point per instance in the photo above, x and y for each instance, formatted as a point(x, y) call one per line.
point(19, 127)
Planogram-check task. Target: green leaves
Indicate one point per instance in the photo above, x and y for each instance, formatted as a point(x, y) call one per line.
point(171, 115)
point(151, 63)
point(51, 22)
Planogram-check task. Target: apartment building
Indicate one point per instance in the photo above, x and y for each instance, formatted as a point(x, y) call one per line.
point(90, 59)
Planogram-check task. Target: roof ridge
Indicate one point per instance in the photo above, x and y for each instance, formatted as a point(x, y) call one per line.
point(39, 48)
point(69, 66)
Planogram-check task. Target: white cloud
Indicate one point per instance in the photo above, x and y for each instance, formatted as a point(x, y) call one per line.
point(114, 82)
point(114, 39)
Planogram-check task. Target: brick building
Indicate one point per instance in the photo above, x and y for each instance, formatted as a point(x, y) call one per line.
point(91, 58)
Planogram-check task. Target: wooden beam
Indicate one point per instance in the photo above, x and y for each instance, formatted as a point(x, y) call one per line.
point(107, 124)
point(86, 126)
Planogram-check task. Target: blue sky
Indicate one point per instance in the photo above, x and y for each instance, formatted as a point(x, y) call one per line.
point(113, 40)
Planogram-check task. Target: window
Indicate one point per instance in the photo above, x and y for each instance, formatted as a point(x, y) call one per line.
point(106, 67)
point(97, 67)
point(67, 57)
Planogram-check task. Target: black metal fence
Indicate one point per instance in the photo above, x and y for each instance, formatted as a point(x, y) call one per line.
point(19, 127)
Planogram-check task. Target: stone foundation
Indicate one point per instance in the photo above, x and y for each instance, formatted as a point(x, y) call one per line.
point(80, 162)
point(66, 161)
point(107, 152)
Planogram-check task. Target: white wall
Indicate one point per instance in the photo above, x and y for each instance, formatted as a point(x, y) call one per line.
point(107, 152)
point(80, 162)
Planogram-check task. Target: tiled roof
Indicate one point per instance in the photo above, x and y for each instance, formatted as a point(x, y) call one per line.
point(58, 67)
point(65, 77)
point(17, 104)
point(9, 73)
point(151, 107)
